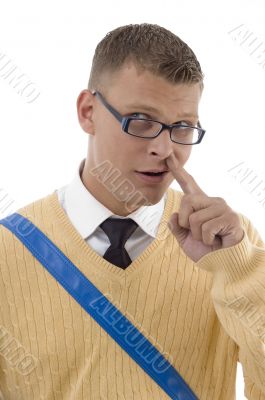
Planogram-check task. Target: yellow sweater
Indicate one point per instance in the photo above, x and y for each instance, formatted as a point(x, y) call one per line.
point(204, 316)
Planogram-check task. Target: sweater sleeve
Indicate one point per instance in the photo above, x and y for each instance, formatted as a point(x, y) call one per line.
point(238, 293)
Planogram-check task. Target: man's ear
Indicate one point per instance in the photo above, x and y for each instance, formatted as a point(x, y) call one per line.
point(85, 110)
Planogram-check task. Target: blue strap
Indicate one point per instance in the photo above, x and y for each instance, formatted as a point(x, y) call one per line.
point(99, 307)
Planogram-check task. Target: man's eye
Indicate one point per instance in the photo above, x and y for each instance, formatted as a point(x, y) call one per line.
point(140, 115)
point(146, 116)
point(186, 123)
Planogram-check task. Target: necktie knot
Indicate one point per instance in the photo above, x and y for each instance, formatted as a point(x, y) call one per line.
point(118, 232)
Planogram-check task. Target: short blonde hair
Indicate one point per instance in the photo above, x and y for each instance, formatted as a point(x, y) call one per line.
point(150, 47)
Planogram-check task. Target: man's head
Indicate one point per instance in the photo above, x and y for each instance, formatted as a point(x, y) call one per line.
point(136, 67)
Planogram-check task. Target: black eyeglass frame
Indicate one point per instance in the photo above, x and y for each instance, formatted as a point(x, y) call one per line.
point(126, 120)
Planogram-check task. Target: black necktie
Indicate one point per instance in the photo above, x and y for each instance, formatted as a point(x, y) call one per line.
point(118, 232)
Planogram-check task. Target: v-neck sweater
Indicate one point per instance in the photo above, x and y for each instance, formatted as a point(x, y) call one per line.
point(189, 311)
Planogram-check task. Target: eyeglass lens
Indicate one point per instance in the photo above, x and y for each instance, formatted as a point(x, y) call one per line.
point(145, 128)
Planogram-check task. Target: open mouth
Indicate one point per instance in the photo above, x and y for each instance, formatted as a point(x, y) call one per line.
point(153, 173)
point(152, 177)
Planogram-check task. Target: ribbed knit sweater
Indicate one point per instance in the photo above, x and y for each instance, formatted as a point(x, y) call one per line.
point(202, 316)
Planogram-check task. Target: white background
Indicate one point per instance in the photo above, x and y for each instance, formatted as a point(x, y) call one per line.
point(53, 44)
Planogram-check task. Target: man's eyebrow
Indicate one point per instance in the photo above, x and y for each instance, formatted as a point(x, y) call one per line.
point(154, 110)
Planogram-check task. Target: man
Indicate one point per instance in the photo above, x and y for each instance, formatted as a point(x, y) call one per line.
point(196, 290)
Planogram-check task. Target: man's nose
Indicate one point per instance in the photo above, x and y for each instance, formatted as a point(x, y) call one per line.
point(162, 143)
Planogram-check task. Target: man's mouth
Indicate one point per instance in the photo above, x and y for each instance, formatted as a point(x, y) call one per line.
point(152, 177)
point(152, 173)
point(155, 172)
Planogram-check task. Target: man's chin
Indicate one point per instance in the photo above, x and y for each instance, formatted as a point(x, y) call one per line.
point(147, 197)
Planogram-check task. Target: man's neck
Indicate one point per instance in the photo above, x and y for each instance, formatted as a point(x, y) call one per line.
point(106, 198)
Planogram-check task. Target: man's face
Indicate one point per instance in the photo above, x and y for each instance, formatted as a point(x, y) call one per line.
point(129, 92)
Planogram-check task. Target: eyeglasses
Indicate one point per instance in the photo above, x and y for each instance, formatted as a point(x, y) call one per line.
point(181, 133)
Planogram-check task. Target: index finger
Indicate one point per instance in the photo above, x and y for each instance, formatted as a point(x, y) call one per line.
point(185, 180)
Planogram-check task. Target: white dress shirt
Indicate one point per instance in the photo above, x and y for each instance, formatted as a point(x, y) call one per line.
point(86, 213)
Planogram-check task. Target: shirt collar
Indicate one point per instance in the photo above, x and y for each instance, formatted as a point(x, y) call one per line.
point(87, 213)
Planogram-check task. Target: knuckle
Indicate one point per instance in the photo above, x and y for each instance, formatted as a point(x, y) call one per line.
point(194, 219)
point(186, 198)
point(205, 238)
point(183, 222)
point(233, 217)
point(219, 200)
point(205, 228)
point(208, 241)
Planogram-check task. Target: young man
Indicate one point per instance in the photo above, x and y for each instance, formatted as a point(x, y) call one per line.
point(196, 290)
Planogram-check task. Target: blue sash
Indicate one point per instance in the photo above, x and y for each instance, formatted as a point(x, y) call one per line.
point(99, 307)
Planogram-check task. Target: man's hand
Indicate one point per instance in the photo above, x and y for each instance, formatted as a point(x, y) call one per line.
point(203, 224)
